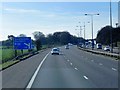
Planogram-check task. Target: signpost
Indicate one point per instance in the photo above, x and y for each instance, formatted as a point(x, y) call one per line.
point(21, 43)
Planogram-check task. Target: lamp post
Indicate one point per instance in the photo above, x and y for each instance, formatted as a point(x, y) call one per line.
point(77, 33)
point(92, 27)
point(84, 33)
point(111, 26)
point(80, 30)
point(116, 27)
point(80, 36)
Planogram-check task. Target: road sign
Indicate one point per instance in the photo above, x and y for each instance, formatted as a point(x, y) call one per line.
point(22, 42)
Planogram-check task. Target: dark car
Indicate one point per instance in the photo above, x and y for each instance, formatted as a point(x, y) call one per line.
point(66, 47)
point(99, 46)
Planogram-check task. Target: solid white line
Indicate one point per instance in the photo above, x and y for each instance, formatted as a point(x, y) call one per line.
point(85, 77)
point(114, 69)
point(36, 72)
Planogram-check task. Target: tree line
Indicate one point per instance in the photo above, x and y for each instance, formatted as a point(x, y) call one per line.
point(62, 38)
point(57, 38)
point(106, 33)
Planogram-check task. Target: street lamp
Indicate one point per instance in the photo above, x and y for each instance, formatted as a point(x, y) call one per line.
point(84, 30)
point(84, 35)
point(80, 30)
point(80, 36)
point(111, 26)
point(92, 27)
point(77, 33)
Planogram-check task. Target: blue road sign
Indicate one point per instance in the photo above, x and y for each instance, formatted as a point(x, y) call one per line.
point(22, 42)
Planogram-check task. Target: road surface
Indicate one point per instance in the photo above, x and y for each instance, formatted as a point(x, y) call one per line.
point(73, 68)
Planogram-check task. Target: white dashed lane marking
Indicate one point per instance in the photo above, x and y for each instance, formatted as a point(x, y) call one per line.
point(114, 69)
point(71, 64)
point(68, 60)
point(76, 69)
point(100, 64)
point(85, 77)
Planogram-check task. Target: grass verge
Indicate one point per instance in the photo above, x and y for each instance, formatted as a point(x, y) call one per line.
point(8, 64)
point(8, 54)
point(12, 62)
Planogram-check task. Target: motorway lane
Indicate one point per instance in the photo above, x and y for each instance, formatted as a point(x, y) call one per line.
point(98, 59)
point(57, 73)
point(18, 75)
point(72, 69)
point(77, 69)
point(100, 70)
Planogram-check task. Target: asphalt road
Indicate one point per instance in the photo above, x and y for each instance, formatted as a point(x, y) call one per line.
point(73, 68)
point(18, 75)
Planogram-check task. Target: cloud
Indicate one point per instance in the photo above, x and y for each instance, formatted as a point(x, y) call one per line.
point(21, 10)
point(32, 11)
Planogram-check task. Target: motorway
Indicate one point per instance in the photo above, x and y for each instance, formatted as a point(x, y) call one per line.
point(73, 68)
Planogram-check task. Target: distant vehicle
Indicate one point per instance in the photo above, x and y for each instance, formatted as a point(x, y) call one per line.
point(116, 50)
point(80, 45)
point(99, 46)
point(70, 44)
point(107, 48)
point(87, 46)
point(66, 47)
point(55, 51)
point(58, 48)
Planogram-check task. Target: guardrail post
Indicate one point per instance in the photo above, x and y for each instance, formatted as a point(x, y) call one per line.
point(15, 53)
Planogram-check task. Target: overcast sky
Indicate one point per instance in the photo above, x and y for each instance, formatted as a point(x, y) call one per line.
point(49, 17)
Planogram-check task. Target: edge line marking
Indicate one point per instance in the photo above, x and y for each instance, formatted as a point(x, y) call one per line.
point(36, 72)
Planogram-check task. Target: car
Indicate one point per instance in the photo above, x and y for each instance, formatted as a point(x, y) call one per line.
point(55, 51)
point(58, 48)
point(107, 48)
point(66, 47)
point(70, 44)
point(99, 46)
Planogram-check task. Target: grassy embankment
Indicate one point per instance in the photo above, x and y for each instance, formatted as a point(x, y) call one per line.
point(8, 54)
